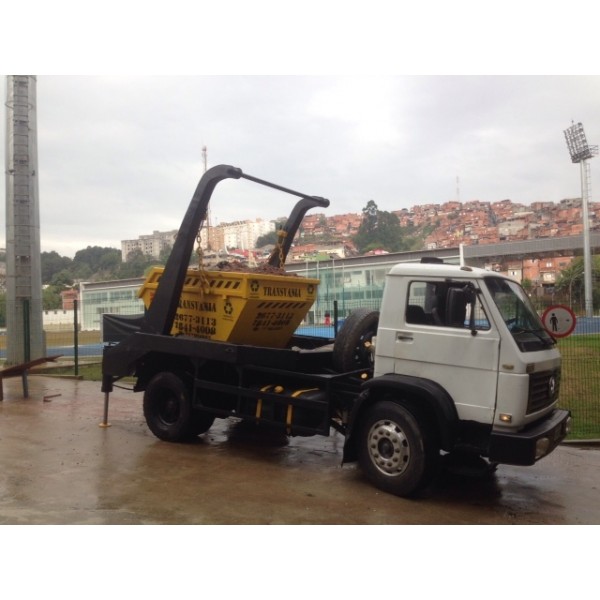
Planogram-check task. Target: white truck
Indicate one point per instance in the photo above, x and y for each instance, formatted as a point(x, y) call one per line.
point(455, 363)
point(463, 363)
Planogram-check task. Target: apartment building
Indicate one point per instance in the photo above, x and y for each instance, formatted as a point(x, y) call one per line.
point(238, 234)
point(152, 244)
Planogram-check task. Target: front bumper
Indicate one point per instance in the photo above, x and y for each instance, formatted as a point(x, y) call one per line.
point(529, 445)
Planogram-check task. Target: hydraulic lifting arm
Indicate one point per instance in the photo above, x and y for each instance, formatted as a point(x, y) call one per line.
point(120, 360)
point(160, 315)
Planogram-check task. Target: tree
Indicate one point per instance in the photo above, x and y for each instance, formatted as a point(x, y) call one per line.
point(164, 254)
point(136, 265)
point(110, 262)
point(52, 263)
point(51, 299)
point(92, 259)
point(271, 237)
point(62, 280)
point(380, 229)
point(571, 281)
point(266, 239)
point(527, 284)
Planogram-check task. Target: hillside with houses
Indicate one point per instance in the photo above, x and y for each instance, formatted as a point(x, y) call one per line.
point(451, 224)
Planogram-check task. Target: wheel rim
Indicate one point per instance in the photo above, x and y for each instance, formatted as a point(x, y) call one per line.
point(363, 355)
point(388, 447)
point(168, 408)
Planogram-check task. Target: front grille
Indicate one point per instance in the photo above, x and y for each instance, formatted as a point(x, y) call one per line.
point(540, 394)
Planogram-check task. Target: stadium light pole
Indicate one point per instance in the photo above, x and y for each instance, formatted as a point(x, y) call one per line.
point(580, 153)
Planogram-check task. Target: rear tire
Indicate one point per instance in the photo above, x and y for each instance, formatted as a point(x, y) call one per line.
point(397, 451)
point(203, 421)
point(168, 408)
point(351, 349)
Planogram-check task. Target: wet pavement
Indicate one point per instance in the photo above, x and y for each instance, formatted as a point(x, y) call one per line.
point(57, 466)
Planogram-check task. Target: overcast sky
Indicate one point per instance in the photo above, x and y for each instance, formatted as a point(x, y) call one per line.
point(121, 156)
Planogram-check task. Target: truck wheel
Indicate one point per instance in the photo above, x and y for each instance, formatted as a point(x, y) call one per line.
point(351, 347)
point(168, 409)
point(396, 449)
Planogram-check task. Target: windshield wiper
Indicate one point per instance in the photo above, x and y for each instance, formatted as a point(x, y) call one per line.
point(535, 332)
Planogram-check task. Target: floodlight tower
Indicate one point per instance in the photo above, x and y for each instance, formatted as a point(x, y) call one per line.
point(580, 153)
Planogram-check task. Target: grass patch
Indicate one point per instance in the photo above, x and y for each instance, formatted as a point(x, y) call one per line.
point(63, 338)
point(580, 384)
point(88, 372)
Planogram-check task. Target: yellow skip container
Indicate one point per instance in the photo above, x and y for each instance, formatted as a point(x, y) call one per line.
point(242, 308)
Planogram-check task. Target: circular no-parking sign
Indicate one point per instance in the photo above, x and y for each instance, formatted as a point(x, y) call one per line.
point(559, 320)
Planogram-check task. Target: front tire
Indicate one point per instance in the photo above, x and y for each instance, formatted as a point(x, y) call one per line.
point(168, 408)
point(396, 449)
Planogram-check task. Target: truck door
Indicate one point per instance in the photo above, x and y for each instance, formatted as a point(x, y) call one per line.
point(446, 335)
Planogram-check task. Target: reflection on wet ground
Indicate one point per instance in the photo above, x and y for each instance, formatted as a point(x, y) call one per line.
point(58, 466)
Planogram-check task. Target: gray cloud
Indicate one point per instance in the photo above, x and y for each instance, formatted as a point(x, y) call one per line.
point(120, 156)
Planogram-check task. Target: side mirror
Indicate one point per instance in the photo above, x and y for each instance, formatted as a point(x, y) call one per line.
point(469, 293)
point(457, 301)
point(456, 307)
point(471, 298)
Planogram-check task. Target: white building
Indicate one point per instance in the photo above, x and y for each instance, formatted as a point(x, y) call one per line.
point(239, 234)
point(151, 245)
point(115, 297)
point(60, 319)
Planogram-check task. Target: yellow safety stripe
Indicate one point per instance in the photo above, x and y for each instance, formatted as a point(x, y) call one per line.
point(290, 408)
point(299, 392)
point(259, 400)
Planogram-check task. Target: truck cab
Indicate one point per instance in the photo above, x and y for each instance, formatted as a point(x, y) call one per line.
point(474, 337)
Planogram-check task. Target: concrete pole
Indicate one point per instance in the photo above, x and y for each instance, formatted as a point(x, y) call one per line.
point(587, 254)
point(24, 327)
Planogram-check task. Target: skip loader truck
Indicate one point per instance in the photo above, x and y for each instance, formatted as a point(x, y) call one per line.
point(455, 363)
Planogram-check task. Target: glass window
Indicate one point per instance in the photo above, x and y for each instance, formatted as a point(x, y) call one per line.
point(518, 314)
point(445, 304)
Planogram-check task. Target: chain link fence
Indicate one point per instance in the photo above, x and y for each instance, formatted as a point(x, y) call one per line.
point(580, 351)
point(80, 348)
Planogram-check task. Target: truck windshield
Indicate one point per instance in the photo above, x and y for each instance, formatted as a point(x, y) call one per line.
point(518, 313)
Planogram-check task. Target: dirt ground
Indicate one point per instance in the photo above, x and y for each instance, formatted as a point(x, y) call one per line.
point(58, 466)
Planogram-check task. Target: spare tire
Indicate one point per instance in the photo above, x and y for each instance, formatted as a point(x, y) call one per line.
point(351, 349)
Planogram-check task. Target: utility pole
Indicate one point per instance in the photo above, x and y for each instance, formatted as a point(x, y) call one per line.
point(204, 157)
point(205, 161)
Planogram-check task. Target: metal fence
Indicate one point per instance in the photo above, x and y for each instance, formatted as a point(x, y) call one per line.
point(580, 351)
point(580, 383)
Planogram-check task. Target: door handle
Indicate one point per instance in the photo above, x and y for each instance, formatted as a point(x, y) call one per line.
point(404, 337)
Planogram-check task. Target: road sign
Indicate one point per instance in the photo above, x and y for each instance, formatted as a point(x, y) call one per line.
point(559, 320)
